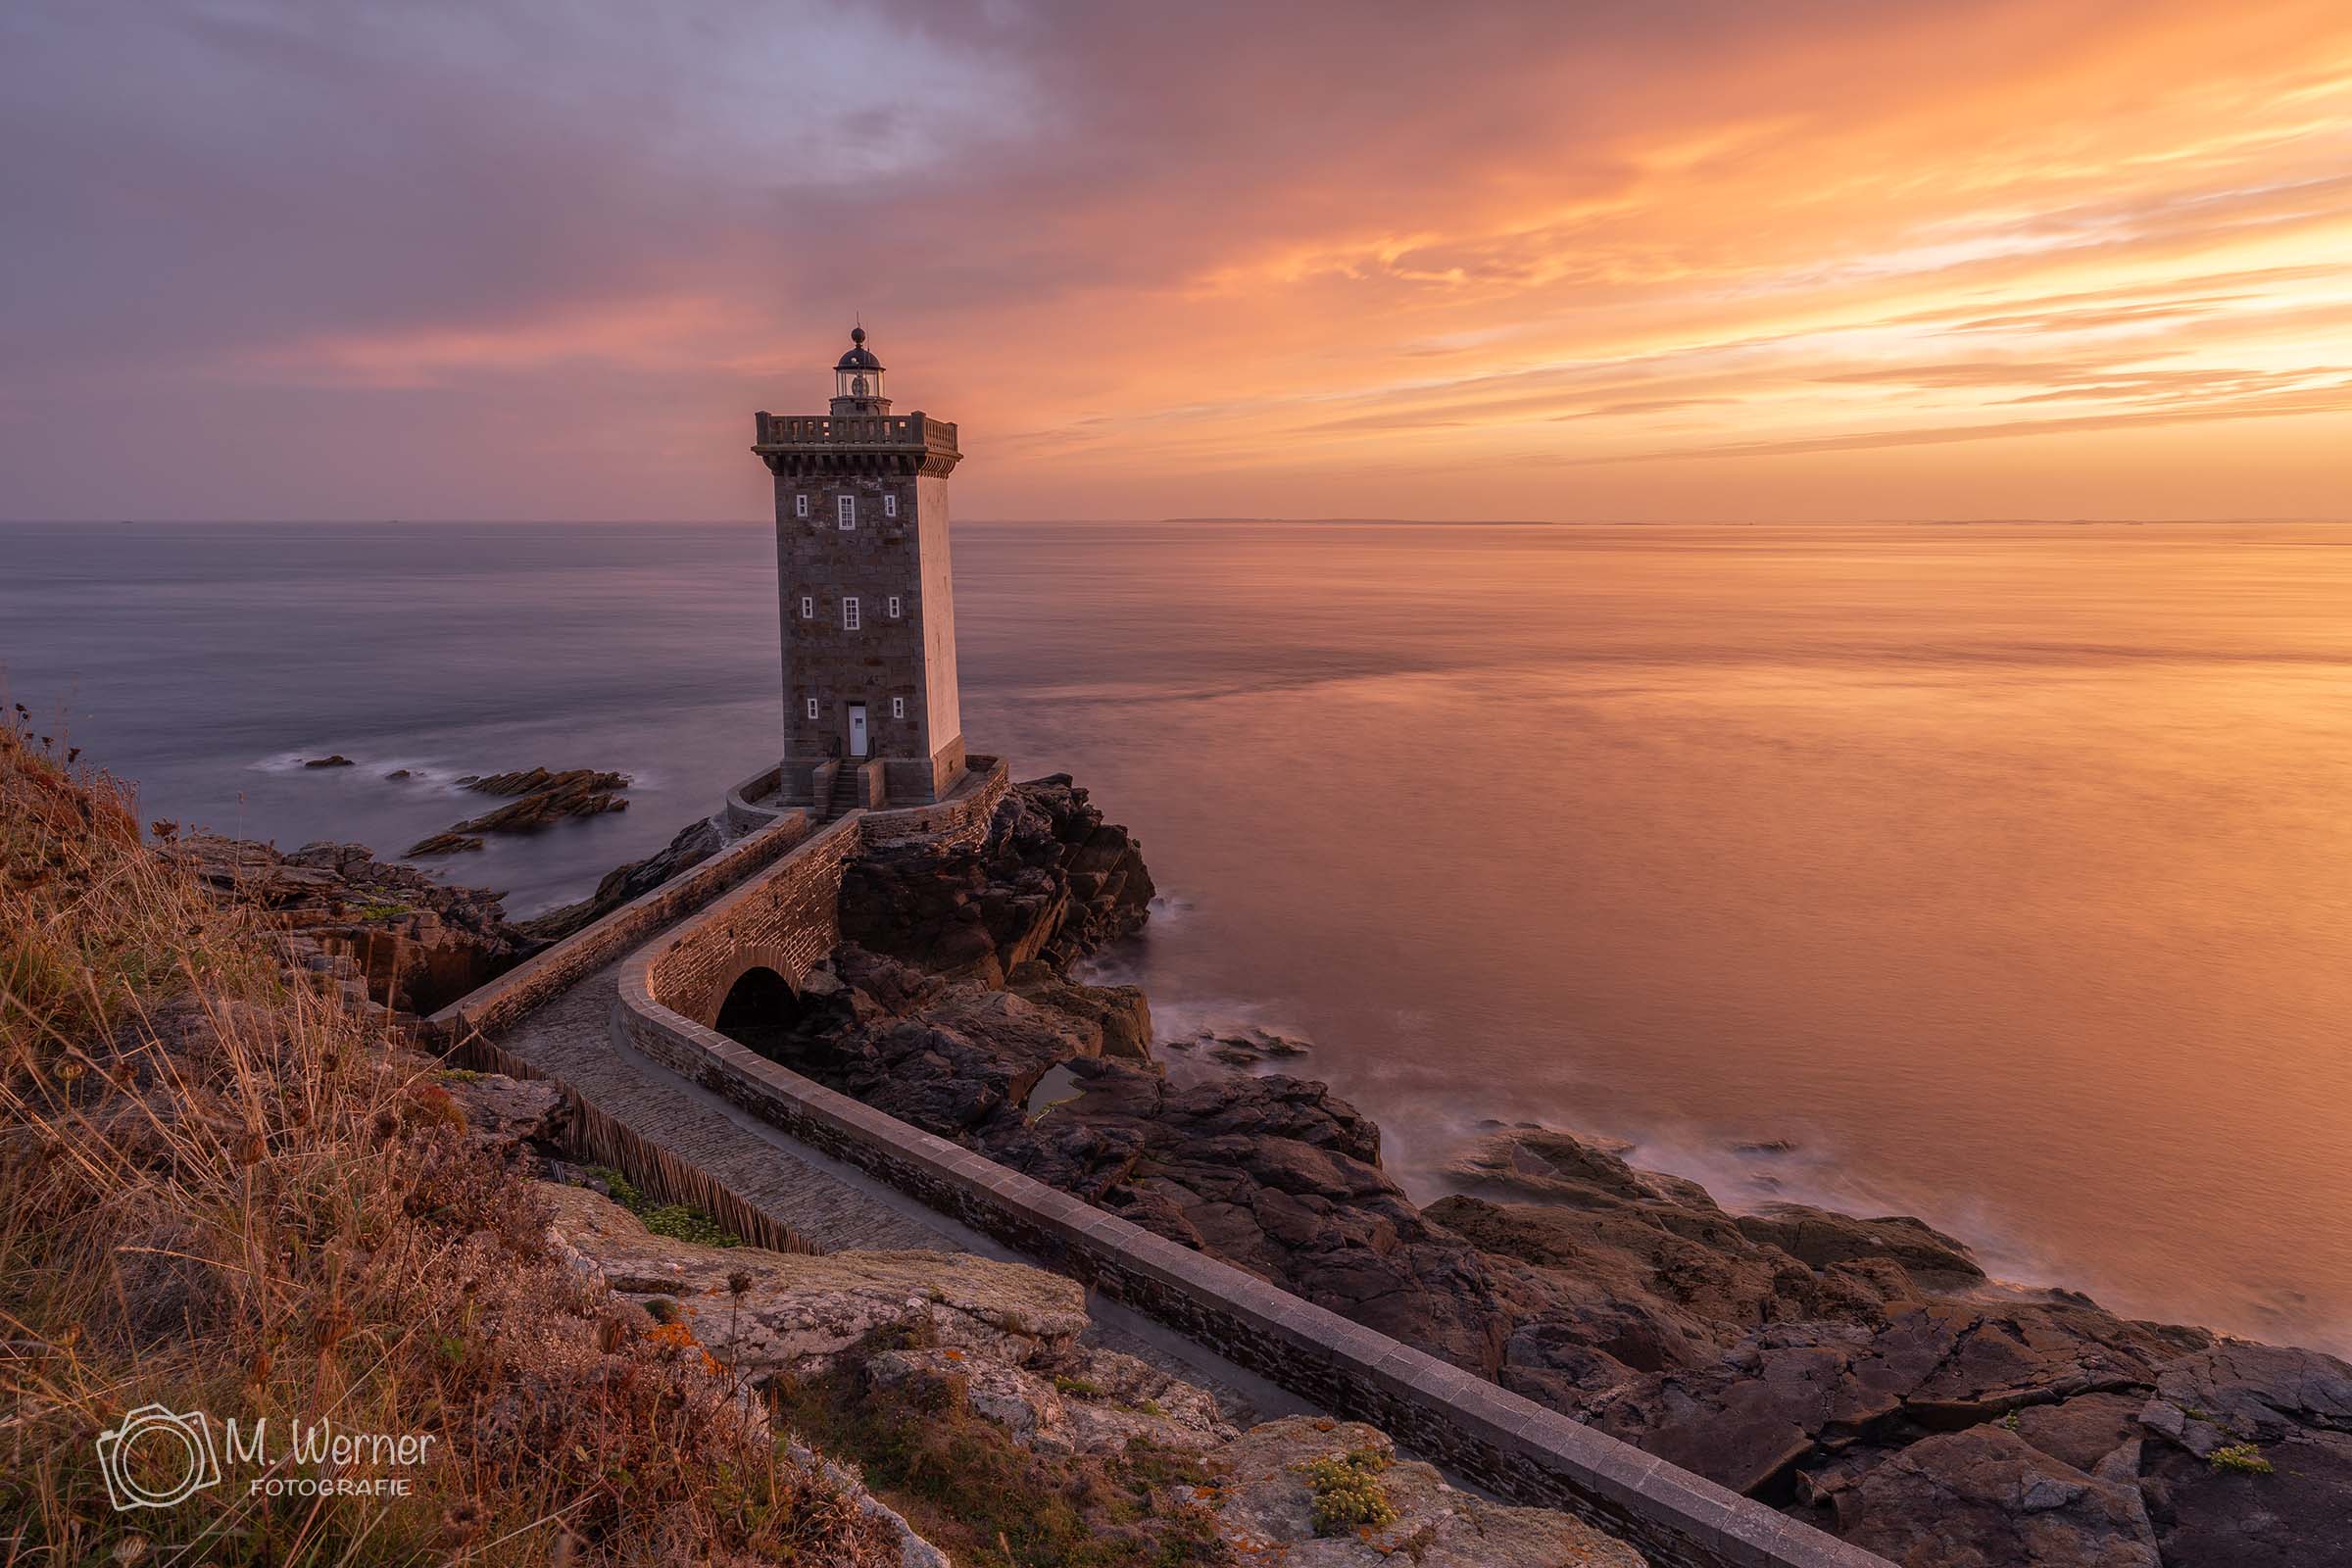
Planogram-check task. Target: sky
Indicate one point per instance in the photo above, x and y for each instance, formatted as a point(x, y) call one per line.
point(1677, 260)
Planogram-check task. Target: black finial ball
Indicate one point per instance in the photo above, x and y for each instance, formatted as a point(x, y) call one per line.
point(856, 335)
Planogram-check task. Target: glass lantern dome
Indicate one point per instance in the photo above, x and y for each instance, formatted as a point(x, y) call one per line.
point(857, 378)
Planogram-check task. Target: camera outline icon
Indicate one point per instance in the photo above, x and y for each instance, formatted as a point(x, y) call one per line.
point(191, 1430)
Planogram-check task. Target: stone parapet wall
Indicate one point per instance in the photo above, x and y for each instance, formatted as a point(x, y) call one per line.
point(745, 810)
point(786, 919)
point(784, 916)
point(960, 818)
point(493, 1007)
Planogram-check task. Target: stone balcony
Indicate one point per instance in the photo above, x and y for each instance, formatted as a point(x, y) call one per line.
point(853, 431)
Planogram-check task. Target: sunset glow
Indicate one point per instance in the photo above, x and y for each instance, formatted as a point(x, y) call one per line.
point(2045, 259)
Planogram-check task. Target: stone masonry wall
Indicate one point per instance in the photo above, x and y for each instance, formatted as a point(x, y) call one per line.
point(784, 919)
point(491, 1007)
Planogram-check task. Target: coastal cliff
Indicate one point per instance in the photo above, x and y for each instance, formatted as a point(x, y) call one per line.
point(235, 1188)
point(1860, 1373)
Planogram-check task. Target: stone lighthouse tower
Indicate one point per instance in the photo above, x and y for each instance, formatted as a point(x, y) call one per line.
point(868, 610)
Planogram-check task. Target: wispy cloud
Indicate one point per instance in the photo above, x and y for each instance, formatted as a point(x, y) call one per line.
point(1211, 258)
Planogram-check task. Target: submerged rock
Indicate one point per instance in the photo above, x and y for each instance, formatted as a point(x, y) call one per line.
point(542, 798)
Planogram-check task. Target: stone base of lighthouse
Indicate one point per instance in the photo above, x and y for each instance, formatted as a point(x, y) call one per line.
point(872, 782)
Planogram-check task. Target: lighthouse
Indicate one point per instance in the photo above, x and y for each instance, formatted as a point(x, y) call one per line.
point(865, 596)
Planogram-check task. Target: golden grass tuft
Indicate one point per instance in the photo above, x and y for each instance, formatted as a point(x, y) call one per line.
point(221, 1191)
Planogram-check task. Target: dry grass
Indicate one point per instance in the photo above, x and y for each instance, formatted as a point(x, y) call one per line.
point(220, 1191)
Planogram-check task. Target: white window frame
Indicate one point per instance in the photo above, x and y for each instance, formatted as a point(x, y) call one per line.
point(812, 707)
point(894, 607)
point(846, 507)
point(890, 504)
point(897, 707)
point(800, 504)
point(849, 614)
point(807, 607)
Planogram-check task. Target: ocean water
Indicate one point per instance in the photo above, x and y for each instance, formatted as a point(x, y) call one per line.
point(2005, 871)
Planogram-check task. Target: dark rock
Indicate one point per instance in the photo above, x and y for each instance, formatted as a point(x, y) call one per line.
point(1118, 1017)
point(1986, 1498)
point(1248, 1047)
point(336, 760)
point(443, 844)
point(1570, 1167)
point(398, 772)
point(2260, 1392)
point(541, 797)
point(2296, 1515)
point(694, 844)
point(1766, 1146)
point(2083, 1432)
point(1051, 882)
point(1819, 1237)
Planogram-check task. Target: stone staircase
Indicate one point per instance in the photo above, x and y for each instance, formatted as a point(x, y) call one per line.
point(844, 799)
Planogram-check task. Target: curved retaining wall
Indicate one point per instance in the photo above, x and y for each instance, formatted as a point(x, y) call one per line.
point(489, 1009)
point(788, 916)
point(752, 805)
point(782, 918)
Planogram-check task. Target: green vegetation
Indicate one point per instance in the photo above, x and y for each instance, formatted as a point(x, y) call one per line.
point(378, 914)
point(680, 1222)
point(1080, 1389)
point(1349, 1496)
point(977, 1495)
point(2241, 1458)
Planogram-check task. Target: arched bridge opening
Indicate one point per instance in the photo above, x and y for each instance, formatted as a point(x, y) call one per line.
point(762, 1010)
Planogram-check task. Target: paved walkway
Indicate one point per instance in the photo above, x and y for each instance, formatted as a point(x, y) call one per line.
point(834, 1207)
point(831, 1205)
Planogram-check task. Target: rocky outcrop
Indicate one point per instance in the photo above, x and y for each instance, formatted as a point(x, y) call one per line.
point(389, 933)
point(771, 1313)
point(1266, 1509)
point(1986, 1498)
point(694, 844)
point(541, 797)
point(1010, 1349)
point(1860, 1372)
point(1051, 882)
point(1271, 1173)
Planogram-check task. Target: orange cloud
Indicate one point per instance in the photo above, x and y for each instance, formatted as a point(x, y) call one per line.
point(1372, 268)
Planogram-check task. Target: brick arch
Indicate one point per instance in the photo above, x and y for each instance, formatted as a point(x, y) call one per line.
point(742, 962)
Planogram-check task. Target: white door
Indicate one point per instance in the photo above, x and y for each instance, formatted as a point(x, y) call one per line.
point(856, 729)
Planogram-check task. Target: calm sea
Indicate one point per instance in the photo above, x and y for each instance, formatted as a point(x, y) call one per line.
point(2005, 871)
